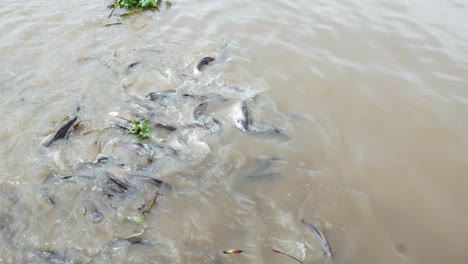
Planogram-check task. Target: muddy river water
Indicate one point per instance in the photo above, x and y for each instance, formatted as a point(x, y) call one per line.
point(349, 115)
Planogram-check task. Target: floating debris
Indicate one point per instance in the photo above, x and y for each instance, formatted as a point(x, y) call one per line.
point(232, 251)
point(150, 205)
point(136, 6)
point(135, 235)
point(139, 128)
point(136, 219)
point(112, 24)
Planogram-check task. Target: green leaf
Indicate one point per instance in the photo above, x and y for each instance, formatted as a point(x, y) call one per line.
point(148, 3)
point(135, 4)
point(140, 128)
point(137, 219)
point(135, 235)
point(168, 4)
point(142, 136)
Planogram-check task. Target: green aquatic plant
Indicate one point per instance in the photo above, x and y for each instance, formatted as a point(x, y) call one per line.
point(142, 231)
point(136, 219)
point(139, 128)
point(137, 5)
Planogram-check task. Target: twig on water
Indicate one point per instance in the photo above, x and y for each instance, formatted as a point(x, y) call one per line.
point(112, 24)
point(113, 9)
point(132, 12)
point(150, 205)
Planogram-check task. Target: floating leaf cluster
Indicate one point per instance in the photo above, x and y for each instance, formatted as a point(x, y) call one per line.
point(139, 128)
point(134, 4)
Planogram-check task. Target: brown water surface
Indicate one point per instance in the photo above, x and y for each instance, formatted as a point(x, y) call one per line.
point(372, 95)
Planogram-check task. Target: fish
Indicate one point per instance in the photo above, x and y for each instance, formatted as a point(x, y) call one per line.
point(218, 123)
point(201, 64)
point(199, 110)
point(243, 121)
point(206, 97)
point(265, 127)
point(133, 168)
point(101, 160)
point(153, 181)
point(150, 150)
point(117, 245)
point(64, 131)
point(259, 169)
point(214, 125)
point(166, 126)
point(95, 215)
point(264, 170)
point(115, 188)
point(49, 256)
point(138, 148)
point(51, 182)
point(125, 125)
point(323, 241)
point(123, 186)
point(241, 116)
point(159, 150)
point(5, 231)
point(154, 150)
point(145, 109)
point(212, 259)
point(76, 179)
point(138, 241)
point(268, 130)
point(131, 65)
point(285, 254)
point(156, 96)
point(223, 53)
